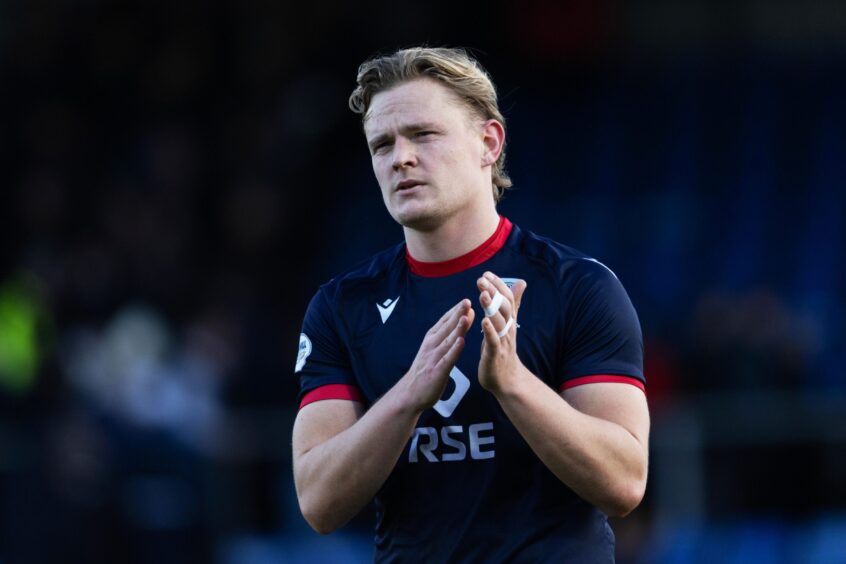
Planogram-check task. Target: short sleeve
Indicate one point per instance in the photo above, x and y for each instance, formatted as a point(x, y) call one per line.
point(602, 339)
point(322, 359)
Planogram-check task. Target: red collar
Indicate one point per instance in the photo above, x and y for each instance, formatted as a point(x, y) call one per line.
point(477, 256)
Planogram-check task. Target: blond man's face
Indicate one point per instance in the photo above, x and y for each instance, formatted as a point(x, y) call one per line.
point(427, 153)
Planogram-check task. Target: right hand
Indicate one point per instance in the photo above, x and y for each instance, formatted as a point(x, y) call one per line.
point(441, 347)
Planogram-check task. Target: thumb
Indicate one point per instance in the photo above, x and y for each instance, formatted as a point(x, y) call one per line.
point(517, 290)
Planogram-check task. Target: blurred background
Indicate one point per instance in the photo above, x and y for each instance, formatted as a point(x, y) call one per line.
point(177, 179)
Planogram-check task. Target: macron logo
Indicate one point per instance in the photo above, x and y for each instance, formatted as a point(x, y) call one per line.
point(386, 308)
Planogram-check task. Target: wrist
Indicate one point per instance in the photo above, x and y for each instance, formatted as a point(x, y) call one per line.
point(511, 386)
point(405, 400)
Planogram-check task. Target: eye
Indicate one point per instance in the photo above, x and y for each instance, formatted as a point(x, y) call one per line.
point(379, 147)
point(424, 133)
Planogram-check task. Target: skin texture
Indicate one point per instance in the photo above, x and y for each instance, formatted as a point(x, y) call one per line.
point(593, 438)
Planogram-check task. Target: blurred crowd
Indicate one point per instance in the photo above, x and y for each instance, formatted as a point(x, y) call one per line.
point(177, 180)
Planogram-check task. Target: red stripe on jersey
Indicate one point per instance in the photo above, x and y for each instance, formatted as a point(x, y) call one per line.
point(477, 256)
point(602, 378)
point(332, 391)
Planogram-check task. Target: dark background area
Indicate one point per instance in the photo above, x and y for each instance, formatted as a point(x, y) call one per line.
point(176, 180)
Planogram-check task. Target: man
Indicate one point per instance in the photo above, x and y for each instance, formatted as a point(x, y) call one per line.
point(511, 443)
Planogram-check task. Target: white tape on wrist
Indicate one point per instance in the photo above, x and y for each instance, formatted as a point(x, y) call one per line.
point(496, 301)
point(505, 329)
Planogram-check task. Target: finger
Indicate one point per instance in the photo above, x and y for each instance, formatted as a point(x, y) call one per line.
point(471, 316)
point(451, 356)
point(448, 321)
point(489, 300)
point(447, 353)
point(509, 313)
point(450, 313)
point(493, 285)
point(518, 289)
point(500, 286)
point(503, 313)
point(457, 332)
point(491, 340)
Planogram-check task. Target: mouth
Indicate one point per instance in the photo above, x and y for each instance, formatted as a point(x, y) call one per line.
point(407, 185)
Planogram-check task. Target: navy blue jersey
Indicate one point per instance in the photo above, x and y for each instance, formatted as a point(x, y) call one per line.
point(468, 487)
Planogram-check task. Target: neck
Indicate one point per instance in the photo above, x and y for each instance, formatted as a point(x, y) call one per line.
point(457, 236)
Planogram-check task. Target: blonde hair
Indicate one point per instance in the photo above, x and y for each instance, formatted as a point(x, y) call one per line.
point(454, 68)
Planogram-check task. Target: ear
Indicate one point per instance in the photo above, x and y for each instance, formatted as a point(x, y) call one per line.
point(493, 137)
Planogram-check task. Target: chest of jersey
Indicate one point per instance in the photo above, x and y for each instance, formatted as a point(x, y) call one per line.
point(387, 322)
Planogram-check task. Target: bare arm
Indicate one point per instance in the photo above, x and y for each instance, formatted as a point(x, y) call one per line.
point(594, 438)
point(343, 455)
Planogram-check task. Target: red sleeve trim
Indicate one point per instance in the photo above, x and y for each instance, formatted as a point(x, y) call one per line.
point(602, 378)
point(332, 391)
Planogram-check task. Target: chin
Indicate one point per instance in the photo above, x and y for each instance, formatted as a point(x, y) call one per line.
point(419, 219)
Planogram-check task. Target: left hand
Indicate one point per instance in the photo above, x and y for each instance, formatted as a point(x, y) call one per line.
point(499, 363)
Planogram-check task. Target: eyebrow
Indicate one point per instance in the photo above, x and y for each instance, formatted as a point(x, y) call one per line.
point(376, 141)
point(410, 128)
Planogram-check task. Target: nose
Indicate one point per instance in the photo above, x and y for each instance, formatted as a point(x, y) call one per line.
point(404, 154)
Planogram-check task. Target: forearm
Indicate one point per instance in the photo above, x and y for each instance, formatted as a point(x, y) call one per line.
point(338, 477)
point(342, 457)
point(598, 459)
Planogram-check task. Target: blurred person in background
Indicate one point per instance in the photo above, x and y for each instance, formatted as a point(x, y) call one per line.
point(496, 445)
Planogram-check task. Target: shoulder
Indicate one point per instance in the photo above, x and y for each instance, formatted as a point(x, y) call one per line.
point(566, 264)
point(377, 268)
point(330, 306)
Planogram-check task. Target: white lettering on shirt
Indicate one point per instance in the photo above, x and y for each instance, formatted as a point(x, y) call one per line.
point(453, 443)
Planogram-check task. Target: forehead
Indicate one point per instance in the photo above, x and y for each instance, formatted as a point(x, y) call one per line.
point(418, 100)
